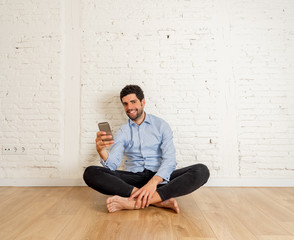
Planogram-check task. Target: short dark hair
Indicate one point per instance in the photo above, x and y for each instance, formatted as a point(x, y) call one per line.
point(129, 89)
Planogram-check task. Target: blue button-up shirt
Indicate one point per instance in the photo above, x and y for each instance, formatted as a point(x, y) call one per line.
point(148, 145)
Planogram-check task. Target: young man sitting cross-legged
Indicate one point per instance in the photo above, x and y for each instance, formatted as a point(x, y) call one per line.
point(150, 177)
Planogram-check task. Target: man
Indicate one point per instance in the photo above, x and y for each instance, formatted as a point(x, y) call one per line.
point(150, 176)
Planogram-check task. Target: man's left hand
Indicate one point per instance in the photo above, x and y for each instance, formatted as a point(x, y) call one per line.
point(145, 193)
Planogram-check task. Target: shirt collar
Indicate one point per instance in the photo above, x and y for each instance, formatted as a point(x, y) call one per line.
point(146, 120)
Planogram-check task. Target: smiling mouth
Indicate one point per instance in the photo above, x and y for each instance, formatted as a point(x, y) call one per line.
point(132, 111)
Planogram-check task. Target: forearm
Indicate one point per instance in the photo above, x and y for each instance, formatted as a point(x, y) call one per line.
point(103, 154)
point(156, 180)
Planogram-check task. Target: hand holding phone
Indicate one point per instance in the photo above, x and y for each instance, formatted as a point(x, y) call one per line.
point(104, 139)
point(104, 127)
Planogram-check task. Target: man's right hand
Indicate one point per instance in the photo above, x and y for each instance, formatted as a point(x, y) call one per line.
point(101, 145)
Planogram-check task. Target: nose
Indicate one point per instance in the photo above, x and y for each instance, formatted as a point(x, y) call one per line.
point(127, 108)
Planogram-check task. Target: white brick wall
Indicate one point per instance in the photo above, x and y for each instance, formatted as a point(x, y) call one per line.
point(220, 72)
point(263, 45)
point(173, 60)
point(30, 87)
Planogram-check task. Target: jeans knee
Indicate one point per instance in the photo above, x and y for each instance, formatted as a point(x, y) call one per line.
point(202, 171)
point(89, 174)
point(205, 172)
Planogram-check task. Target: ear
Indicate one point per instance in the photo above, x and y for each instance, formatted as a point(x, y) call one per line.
point(143, 102)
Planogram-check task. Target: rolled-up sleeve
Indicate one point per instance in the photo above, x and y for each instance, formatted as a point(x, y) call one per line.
point(115, 155)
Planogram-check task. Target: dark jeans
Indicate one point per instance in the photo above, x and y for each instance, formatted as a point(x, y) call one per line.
point(182, 181)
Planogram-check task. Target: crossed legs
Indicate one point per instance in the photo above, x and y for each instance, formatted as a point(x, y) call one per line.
point(121, 184)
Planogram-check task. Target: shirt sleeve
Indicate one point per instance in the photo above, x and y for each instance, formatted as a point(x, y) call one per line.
point(168, 163)
point(115, 154)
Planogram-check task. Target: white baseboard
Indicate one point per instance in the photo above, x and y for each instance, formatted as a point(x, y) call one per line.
point(251, 182)
point(41, 182)
point(213, 182)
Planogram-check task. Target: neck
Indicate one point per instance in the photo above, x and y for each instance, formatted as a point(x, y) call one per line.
point(141, 119)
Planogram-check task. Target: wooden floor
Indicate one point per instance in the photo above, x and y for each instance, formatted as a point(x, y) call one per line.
point(208, 214)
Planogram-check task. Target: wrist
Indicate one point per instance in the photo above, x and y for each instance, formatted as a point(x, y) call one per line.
point(156, 180)
point(103, 154)
point(100, 150)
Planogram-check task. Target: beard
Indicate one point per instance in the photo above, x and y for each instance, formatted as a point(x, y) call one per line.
point(138, 114)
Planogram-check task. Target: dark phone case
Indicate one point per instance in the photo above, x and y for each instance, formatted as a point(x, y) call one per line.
point(104, 126)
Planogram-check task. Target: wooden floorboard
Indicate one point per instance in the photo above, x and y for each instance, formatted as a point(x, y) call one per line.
point(210, 213)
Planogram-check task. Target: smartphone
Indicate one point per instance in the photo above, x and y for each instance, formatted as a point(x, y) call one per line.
point(104, 126)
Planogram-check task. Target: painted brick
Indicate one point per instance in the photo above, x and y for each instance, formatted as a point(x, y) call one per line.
point(219, 72)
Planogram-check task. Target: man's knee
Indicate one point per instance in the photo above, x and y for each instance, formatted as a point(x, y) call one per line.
point(87, 174)
point(201, 171)
point(91, 173)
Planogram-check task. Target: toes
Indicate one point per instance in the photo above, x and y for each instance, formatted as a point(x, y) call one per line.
point(109, 208)
point(111, 199)
point(108, 200)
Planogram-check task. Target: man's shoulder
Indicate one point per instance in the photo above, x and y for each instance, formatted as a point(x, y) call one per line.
point(157, 120)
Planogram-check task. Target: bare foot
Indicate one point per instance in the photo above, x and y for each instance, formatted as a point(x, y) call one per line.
point(170, 203)
point(117, 203)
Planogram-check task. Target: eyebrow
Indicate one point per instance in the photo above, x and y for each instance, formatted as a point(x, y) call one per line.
point(132, 101)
